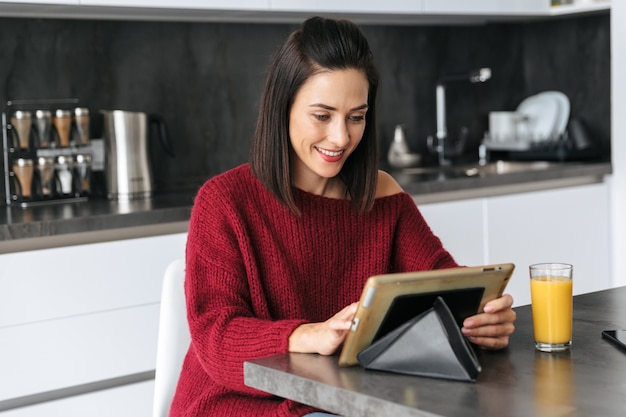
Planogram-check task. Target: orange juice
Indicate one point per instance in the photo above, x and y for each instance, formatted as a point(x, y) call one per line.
point(552, 309)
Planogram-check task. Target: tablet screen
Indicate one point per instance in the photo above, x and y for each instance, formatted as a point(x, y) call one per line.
point(462, 302)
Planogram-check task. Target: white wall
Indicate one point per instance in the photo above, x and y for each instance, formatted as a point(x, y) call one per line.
point(618, 136)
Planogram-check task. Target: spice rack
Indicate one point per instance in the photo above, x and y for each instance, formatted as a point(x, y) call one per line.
point(46, 155)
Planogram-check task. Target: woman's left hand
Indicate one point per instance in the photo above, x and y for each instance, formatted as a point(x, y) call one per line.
point(492, 328)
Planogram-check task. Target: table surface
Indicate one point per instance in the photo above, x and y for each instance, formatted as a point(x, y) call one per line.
point(589, 380)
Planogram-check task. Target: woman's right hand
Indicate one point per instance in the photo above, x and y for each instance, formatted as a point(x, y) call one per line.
point(325, 337)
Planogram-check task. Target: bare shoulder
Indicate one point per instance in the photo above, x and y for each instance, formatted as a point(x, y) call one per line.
point(387, 185)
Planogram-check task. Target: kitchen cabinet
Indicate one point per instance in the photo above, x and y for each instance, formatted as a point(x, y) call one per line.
point(268, 11)
point(568, 225)
point(485, 6)
point(132, 400)
point(72, 2)
point(461, 228)
point(509, 7)
point(81, 314)
point(184, 4)
point(348, 6)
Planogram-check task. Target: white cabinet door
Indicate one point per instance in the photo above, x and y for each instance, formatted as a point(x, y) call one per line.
point(568, 225)
point(61, 282)
point(460, 226)
point(348, 6)
point(478, 7)
point(184, 4)
point(51, 355)
point(80, 314)
point(134, 400)
point(564, 225)
point(74, 2)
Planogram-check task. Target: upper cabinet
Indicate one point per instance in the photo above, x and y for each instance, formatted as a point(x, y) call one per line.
point(293, 11)
point(348, 6)
point(489, 7)
point(512, 8)
point(184, 4)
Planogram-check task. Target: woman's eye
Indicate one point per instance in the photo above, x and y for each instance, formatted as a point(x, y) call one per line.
point(321, 117)
point(357, 118)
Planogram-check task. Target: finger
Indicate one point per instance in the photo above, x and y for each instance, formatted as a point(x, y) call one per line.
point(496, 330)
point(339, 324)
point(499, 304)
point(490, 342)
point(343, 319)
point(486, 319)
point(347, 313)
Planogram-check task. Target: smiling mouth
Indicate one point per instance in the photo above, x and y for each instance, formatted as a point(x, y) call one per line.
point(332, 154)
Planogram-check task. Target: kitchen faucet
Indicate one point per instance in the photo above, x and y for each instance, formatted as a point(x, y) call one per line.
point(477, 76)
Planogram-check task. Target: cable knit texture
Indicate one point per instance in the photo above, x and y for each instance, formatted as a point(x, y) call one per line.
point(256, 271)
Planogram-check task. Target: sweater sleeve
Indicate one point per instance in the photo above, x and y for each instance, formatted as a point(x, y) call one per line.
point(417, 247)
point(227, 322)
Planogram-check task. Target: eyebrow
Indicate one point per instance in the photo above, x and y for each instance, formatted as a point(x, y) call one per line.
point(324, 106)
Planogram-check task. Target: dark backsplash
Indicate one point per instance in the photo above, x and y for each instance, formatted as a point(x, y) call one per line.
point(206, 78)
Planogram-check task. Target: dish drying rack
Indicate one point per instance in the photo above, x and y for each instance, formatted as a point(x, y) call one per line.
point(559, 148)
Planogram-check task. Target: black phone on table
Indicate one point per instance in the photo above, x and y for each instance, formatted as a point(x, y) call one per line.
point(616, 337)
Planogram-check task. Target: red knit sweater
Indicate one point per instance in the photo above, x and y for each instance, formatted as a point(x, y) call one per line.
point(256, 271)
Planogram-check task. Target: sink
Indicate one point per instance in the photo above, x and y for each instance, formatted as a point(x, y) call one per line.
point(475, 170)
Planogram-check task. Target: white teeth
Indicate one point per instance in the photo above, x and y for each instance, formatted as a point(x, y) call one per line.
point(329, 153)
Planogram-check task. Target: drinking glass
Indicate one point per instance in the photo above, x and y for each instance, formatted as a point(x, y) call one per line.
point(552, 305)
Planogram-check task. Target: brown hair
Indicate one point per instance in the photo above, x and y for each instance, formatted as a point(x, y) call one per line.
point(319, 43)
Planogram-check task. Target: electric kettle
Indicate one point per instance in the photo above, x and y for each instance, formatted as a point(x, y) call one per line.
point(128, 172)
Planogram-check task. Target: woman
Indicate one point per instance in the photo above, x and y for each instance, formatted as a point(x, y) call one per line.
point(279, 249)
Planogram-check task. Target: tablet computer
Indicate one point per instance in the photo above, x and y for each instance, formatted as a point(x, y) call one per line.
point(389, 300)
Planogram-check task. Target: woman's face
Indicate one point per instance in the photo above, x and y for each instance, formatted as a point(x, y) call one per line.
point(326, 124)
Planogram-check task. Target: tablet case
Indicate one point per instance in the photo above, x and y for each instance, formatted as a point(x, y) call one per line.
point(431, 344)
point(390, 300)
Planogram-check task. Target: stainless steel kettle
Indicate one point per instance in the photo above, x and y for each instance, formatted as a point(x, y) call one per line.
point(128, 171)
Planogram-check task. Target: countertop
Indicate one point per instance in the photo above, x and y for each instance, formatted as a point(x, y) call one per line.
point(517, 382)
point(98, 220)
point(95, 220)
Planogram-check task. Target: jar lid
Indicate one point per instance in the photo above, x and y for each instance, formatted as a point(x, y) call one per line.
point(21, 114)
point(81, 111)
point(22, 162)
point(45, 160)
point(64, 160)
point(63, 113)
point(43, 114)
point(83, 158)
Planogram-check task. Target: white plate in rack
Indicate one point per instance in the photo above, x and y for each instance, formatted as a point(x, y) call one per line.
point(564, 111)
point(543, 114)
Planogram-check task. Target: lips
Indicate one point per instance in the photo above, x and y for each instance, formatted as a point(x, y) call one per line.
point(330, 156)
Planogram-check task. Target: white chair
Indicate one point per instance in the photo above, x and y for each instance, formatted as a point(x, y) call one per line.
point(173, 340)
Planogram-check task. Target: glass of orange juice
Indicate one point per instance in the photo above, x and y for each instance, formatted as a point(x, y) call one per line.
point(551, 303)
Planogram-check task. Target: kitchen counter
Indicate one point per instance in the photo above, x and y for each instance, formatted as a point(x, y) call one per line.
point(99, 220)
point(517, 381)
point(497, 178)
point(95, 220)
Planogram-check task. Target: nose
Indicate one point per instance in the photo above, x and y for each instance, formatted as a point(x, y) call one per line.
point(340, 135)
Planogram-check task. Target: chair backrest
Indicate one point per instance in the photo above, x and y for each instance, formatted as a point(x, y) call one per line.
point(173, 340)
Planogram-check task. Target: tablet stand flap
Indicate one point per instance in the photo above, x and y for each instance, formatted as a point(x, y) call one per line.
point(431, 344)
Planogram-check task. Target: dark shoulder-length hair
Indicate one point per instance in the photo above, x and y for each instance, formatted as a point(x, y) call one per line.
point(319, 44)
